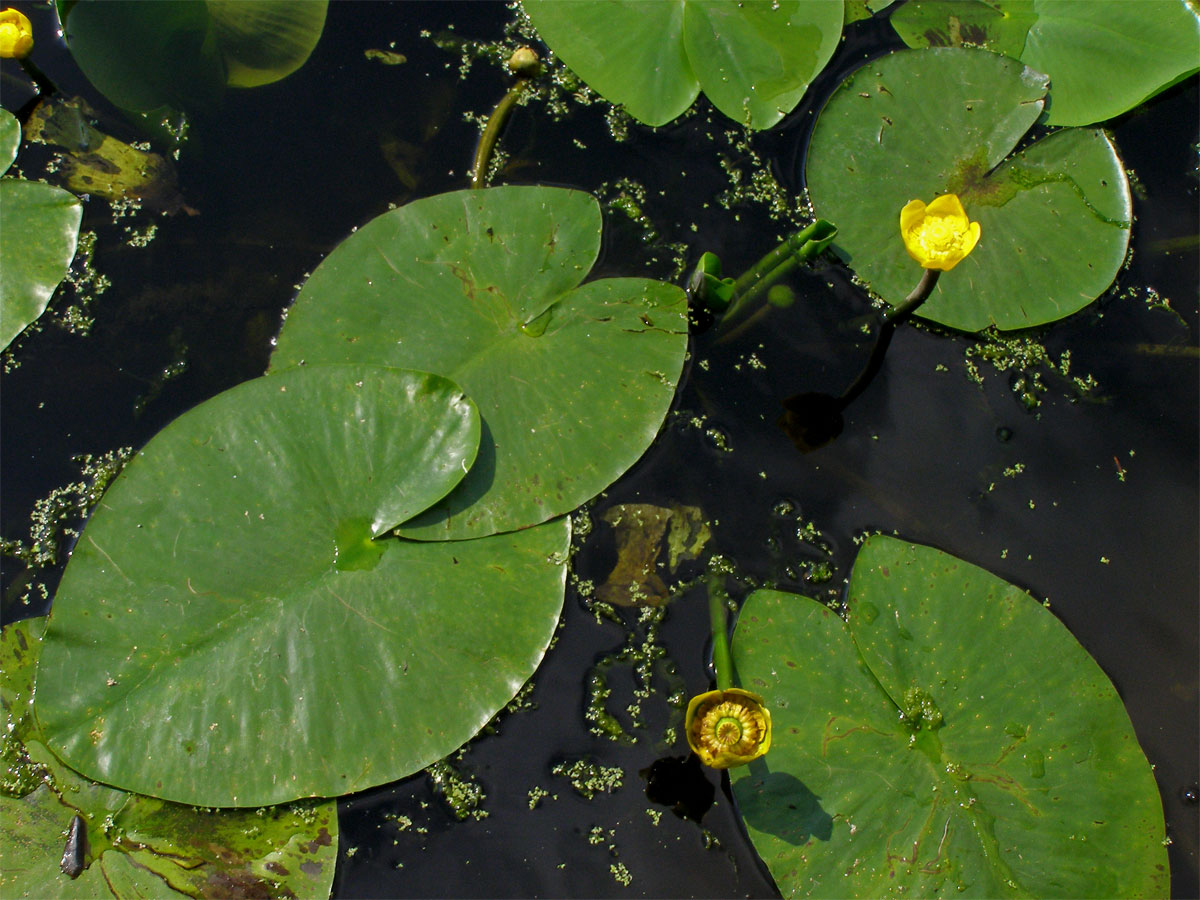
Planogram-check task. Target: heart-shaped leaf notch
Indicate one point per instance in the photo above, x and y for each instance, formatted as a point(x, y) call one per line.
point(572, 381)
point(754, 61)
point(1055, 216)
point(235, 627)
point(949, 738)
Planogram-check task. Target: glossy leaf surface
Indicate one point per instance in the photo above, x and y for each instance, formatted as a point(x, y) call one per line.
point(1103, 58)
point(137, 846)
point(949, 738)
point(10, 139)
point(1055, 217)
point(232, 630)
point(482, 286)
point(39, 230)
point(754, 61)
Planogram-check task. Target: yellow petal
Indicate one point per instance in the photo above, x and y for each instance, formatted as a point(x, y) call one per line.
point(946, 205)
point(16, 34)
point(938, 236)
point(912, 214)
point(728, 728)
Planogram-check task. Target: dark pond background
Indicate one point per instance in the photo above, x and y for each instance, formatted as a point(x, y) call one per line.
point(282, 173)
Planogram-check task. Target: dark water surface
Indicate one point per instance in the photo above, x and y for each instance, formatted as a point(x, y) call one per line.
point(284, 172)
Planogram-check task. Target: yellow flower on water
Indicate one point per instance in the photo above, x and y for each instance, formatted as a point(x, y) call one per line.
point(728, 728)
point(16, 34)
point(938, 236)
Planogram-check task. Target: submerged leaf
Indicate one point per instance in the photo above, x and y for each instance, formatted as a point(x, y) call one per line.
point(123, 845)
point(93, 162)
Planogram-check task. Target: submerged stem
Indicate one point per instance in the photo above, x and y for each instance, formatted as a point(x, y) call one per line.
point(754, 282)
point(889, 321)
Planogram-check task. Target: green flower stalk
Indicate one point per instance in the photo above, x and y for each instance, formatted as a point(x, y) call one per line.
point(526, 66)
point(727, 727)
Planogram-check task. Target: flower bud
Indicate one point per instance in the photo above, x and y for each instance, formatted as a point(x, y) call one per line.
point(16, 34)
point(524, 63)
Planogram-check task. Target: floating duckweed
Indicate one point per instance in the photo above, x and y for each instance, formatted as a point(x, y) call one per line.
point(589, 778)
point(462, 795)
point(647, 659)
point(655, 815)
point(85, 284)
point(51, 516)
point(20, 775)
point(403, 823)
point(537, 795)
point(761, 187)
point(618, 123)
point(521, 702)
point(581, 524)
point(1027, 360)
point(620, 873)
point(818, 572)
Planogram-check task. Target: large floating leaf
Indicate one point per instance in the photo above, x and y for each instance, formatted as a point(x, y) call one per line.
point(754, 61)
point(182, 53)
point(228, 632)
point(950, 739)
point(1103, 58)
point(10, 139)
point(1055, 218)
point(137, 846)
point(39, 229)
point(145, 56)
point(482, 286)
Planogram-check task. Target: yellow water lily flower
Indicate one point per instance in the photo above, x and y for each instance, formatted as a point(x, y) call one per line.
point(938, 236)
point(16, 34)
point(728, 728)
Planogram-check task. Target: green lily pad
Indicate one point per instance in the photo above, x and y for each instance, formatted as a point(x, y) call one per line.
point(10, 139)
point(754, 61)
point(146, 56)
point(39, 229)
point(181, 54)
point(1055, 217)
point(950, 738)
point(137, 846)
point(482, 286)
point(1103, 58)
point(234, 627)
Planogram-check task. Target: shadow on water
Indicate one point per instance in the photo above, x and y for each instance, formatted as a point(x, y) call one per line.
point(782, 805)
